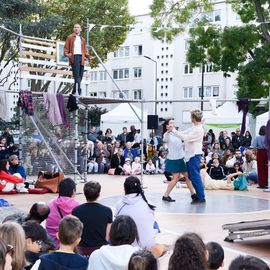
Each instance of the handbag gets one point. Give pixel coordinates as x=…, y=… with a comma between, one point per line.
x=49, y=180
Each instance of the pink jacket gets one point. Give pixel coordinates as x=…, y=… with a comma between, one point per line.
x=64, y=205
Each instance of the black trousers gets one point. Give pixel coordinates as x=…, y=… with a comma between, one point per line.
x=77, y=71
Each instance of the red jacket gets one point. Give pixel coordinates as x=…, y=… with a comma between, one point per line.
x=9, y=178
x=69, y=49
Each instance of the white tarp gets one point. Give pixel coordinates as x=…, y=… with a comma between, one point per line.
x=261, y=120
x=122, y=116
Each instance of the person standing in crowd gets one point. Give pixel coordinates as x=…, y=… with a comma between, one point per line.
x=131, y=135
x=175, y=163
x=75, y=49
x=6, y=134
x=260, y=150
x=247, y=139
x=237, y=139
x=122, y=137
x=193, y=138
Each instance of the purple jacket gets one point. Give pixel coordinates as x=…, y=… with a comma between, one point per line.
x=63, y=205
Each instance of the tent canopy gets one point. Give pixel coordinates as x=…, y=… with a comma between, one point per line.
x=261, y=120
x=122, y=116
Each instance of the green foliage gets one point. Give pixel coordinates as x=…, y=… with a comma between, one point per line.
x=94, y=115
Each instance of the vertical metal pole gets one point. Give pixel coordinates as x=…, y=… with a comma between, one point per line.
x=202, y=92
x=76, y=140
x=268, y=185
x=156, y=89
x=85, y=142
x=142, y=136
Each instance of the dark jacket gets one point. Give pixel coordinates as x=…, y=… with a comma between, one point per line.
x=217, y=172
x=100, y=154
x=63, y=261
x=115, y=162
x=17, y=169
x=237, y=141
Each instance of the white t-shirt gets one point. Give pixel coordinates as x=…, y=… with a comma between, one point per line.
x=78, y=45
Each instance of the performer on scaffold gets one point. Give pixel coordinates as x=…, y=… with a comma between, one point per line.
x=175, y=163
x=75, y=49
x=193, y=138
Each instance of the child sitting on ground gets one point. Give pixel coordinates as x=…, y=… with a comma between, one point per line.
x=150, y=167
x=69, y=234
x=215, y=255
x=136, y=166
x=127, y=167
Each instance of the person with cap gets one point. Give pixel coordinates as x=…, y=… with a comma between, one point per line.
x=15, y=167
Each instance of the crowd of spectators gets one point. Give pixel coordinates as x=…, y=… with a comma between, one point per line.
x=88, y=236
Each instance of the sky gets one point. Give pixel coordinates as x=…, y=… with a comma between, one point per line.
x=138, y=7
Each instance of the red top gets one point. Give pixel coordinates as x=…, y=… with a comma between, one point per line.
x=9, y=178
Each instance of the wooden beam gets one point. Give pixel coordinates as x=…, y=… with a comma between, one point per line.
x=36, y=54
x=45, y=70
x=44, y=43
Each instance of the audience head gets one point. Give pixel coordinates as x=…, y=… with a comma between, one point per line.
x=35, y=234
x=248, y=263
x=237, y=166
x=124, y=129
x=132, y=129
x=4, y=165
x=39, y=212
x=215, y=255
x=70, y=231
x=215, y=162
x=238, y=131
x=120, y=151
x=196, y=115
x=262, y=130
x=123, y=231
x=13, y=160
x=6, y=253
x=128, y=145
x=137, y=159
x=132, y=184
x=142, y=260
x=91, y=191
x=189, y=253
x=117, y=144
x=12, y=234
x=127, y=160
x=67, y=188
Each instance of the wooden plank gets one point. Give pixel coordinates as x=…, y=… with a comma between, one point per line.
x=46, y=70
x=44, y=43
x=36, y=54
x=36, y=47
x=38, y=62
x=49, y=78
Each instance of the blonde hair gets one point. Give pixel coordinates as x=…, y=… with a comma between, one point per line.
x=196, y=114
x=12, y=233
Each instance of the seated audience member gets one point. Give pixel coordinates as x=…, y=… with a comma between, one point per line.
x=118, y=161
x=8, y=182
x=156, y=162
x=14, y=166
x=6, y=252
x=61, y=207
x=247, y=139
x=228, y=144
x=12, y=234
x=127, y=167
x=131, y=135
x=237, y=139
x=116, y=147
x=96, y=219
x=162, y=160
x=150, y=167
x=102, y=158
x=136, y=166
x=236, y=158
x=216, y=149
x=38, y=213
x=130, y=152
x=109, y=138
x=3, y=148
x=35, y=234
x=216, y=170
x=116, y=255
x=235, y=172
x=250, y=167
x=215, y=255
x=9, y=137
x=213, y=157
x=135, y=205
x=248, y=263
x=69, y=234
x=13, y=150
x=189, y=253
x=142, y=260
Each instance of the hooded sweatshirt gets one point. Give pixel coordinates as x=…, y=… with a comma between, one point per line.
x=111, y=257
x=61, y=261
x=59, y=206
x=134, y=206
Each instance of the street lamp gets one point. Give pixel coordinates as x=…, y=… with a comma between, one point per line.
x=149, y=58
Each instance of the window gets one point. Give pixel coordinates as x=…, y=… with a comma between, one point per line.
x=102, y=94
x=93, y=94
x=103, y=75
x=208, y=68
x=209, y=91
x=213, y=16
x=188, y=69
x=137, y=72
x=93, y=76
x=187, y=92
x=121, y=73
x=137, y=94
x=121, y=52
x=138, y=50
x=118, y=94
x=237, y=17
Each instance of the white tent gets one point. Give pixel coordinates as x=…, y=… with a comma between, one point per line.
x=123, y=116
x=224, y=117
x=261, y=120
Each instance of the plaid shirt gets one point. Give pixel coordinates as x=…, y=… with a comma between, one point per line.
x=25, y=102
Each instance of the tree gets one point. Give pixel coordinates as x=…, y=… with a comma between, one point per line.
x=243, y=49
